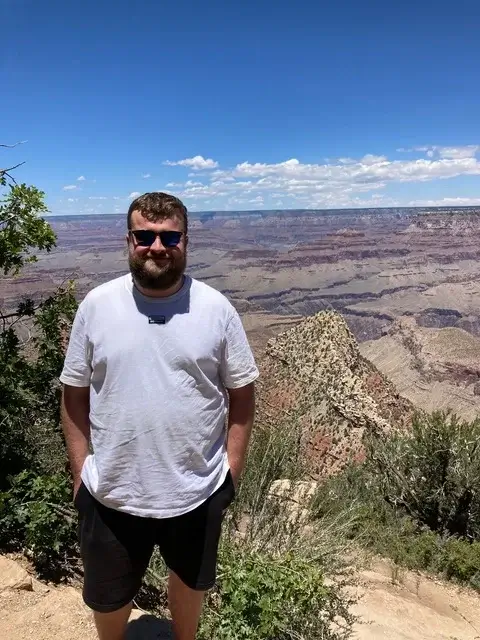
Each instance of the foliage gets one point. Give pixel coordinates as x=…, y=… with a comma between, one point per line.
x=408, y=494
x=273, y=454
x=21, y=228
x=262, y=596
x=29, y=387
x=35, y=491
x=432, y=472
x=32, y=341
x=33, y=516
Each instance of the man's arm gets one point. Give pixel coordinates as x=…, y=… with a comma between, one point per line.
x=75, y=414
x=240, y=421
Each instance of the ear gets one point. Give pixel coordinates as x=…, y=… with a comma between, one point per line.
x=186, y=240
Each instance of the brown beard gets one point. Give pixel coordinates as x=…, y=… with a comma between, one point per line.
x=161, y=277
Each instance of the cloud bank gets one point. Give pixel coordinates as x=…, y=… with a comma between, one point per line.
x=344, y=182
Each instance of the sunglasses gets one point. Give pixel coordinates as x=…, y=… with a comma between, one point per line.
x=146, y=237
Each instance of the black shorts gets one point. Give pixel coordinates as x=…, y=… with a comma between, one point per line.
x=116, y=547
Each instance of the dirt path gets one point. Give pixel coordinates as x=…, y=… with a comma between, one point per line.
x=416, y=609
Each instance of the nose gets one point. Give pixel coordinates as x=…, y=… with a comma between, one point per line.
x=157, y=245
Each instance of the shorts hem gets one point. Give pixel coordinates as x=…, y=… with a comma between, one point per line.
x=107, y=608
x=204, y=586
x=197, y=586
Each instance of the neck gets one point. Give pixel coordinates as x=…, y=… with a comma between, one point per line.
x=160, y=293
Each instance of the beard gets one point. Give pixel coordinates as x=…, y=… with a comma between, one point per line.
x=157, y=277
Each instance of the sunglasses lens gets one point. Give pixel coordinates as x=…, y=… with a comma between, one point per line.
x=170, y=238
x=144, y=237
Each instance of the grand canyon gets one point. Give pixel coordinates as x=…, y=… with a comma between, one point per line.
x=406, y=281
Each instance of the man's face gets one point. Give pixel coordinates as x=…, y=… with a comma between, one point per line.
x=156, y=267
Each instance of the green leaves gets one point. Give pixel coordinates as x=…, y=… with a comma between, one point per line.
x=30, y=434
x=35, y=491
x=33, y=513
x=264, y=596
x=22, y=231
x=433, y=472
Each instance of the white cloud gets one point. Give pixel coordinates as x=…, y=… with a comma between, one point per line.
x=72, y=199
x=147, y=175
x=70, y=187
x=455, y=153
x=334, y=183
x=370, y=159
x=411, y=149
x=446, y=202
x=81, y=178
x=97, y=198
x=197, y=163
x=468, y=151
x=367, y=173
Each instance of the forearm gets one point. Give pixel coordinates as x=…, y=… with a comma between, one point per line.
x=240, y=423
x=75, y=416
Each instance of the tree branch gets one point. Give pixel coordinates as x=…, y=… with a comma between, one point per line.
x=10, y=146
x=5, y=172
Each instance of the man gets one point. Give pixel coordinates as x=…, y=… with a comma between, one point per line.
x=159, y=380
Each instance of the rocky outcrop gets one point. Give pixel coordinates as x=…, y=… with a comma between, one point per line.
x=314, y=377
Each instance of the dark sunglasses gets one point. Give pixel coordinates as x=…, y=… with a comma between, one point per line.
x=146, y=237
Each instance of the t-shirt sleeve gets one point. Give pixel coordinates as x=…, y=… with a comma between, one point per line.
x=238, y=366
x=77, y=367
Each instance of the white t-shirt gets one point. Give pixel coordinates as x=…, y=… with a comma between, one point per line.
x=158, y=370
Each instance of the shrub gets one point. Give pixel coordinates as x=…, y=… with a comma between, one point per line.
x=461, y=561
x=415, y=499
x=35, y=516
x=29, y=388
x=265, y=596
x=432, y=473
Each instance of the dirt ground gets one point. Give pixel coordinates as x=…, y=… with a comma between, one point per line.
x=411, y=608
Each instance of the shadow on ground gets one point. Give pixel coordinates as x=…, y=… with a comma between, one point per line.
x=148, y=627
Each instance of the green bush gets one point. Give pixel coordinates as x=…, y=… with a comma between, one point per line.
x=432, y=472
x=415, y=499
x=35, y=516
x=461, y=561
x=262, y=596
x=30, y=433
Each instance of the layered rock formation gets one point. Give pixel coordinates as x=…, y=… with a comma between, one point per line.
x=314, y=376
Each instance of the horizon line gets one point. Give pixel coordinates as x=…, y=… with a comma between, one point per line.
x=263, y=211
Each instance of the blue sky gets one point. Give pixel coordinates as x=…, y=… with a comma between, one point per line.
x=252, y=105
